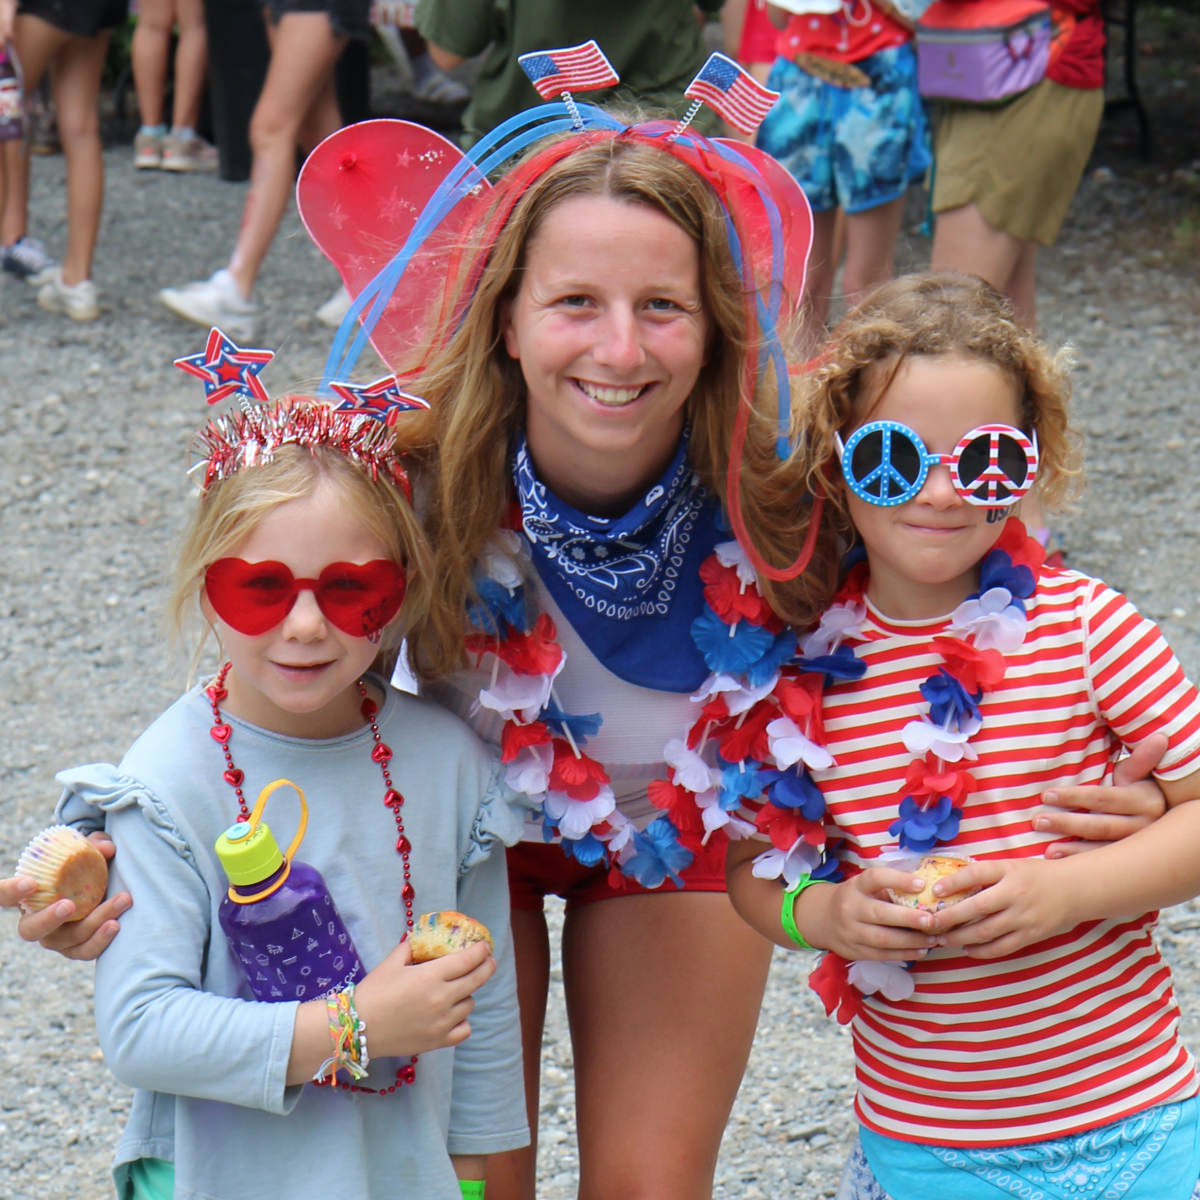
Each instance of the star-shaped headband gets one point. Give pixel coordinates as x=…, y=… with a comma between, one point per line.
x=360, y=427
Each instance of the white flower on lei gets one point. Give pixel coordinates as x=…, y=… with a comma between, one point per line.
x=500, y=556
x=714, y=817
x=801, y=859
x=991, y=620
x=574, y=818
x=529, y=771
x=950, y=745
x=837, y=623
x=691, y=771
x=518, y=696
x=620, y=840
x=730, y=554
x=890, y=979
x=738, y=697
x=789, y=746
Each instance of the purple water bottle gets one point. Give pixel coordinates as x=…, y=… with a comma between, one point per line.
x=279, y=916
x=10, y=96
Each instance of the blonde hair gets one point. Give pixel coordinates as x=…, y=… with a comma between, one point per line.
x=231, y=509
x=933, y=313
x=477, y=392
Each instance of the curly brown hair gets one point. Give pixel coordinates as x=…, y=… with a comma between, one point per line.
x=477, y=392
x=931, y=313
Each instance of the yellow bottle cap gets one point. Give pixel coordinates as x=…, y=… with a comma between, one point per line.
x=249, y=853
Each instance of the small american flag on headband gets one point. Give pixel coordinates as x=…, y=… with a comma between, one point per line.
x=580, y=68
x=735, y=95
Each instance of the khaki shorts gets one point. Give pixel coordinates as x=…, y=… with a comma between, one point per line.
x=1018, y=163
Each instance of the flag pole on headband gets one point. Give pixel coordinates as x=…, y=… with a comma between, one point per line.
x=731, y=92
x=556, y=73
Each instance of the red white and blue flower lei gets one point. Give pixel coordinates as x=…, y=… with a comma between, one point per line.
x=757, y=731
x=987, y=625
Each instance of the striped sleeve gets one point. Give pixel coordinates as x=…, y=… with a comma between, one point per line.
x=1137, y=682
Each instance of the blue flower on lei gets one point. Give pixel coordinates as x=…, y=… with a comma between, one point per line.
x=577, y=726
x=588, y=851
x=659, y=855
x=730, y=649
x=998, y=570
x=497, y=606
x=920, y=829
x=795, y=789
x=741, y=781
x=843, y=663
x=783, y=647
x=830, y=868
x=950, y=704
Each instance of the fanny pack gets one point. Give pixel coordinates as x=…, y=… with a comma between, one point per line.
x=982, y=51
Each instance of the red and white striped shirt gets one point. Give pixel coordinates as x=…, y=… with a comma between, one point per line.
x=1073, y=1032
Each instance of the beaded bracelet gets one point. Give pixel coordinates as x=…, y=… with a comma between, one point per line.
x=349, y=1034
x=472, y=1189
x=787, y=915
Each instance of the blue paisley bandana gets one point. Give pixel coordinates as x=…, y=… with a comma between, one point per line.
x=629, y=585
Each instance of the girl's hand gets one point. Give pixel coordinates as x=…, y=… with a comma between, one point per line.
x=84, y=940
x=1019, y=904
x=411, y=1008
x=1108, y=813
x=862, y=922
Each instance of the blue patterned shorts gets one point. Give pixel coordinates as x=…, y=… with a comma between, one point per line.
x=854, y=148
x=1102, y=1164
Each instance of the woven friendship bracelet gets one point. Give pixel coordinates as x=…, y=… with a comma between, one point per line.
x=348, y=1032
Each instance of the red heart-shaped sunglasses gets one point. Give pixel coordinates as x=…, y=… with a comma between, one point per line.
x=252, y=598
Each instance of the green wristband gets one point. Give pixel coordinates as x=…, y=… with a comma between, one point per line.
x=472, y=1189
x=787, y=915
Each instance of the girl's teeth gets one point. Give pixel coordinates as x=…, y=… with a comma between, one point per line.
x=612, y=396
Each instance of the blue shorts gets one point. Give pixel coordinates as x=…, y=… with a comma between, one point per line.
x=850, y=148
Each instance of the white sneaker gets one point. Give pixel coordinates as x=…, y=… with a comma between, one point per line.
x=75, y=300
x=335, y=308
x=214, y=301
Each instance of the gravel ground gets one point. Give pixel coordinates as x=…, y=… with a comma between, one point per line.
x=93, y=436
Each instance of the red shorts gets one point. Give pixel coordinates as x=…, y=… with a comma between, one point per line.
x=540, y=869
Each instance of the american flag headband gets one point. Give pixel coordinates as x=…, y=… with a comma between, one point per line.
x=359, y=424
x=767, y=216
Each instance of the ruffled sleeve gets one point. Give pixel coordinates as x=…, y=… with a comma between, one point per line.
x=92, y=791
x=499, y=820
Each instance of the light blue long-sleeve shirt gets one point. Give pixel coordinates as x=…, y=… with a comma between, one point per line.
x=174, y=1014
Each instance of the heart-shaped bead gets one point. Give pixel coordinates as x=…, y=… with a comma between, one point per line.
x=233, y=775
x=220, y=732
x=382, y=753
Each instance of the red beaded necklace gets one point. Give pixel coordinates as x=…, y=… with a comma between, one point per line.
x=381, y=754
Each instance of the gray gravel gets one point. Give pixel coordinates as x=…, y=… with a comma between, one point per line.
x=93, y=433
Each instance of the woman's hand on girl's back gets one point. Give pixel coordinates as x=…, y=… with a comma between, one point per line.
x=1088, y=817
x=412, y=1007
x=53, y=927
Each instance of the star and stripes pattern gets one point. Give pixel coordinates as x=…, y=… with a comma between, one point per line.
x=382, y=399
x=227, y=369
x=582, y=68
x=734, y=94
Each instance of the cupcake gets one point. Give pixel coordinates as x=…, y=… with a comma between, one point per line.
x=438, y=933
x=932, y=868
x=67, y=867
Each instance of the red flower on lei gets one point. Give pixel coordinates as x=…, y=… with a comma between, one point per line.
x=977, y=670
x=831, y=981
